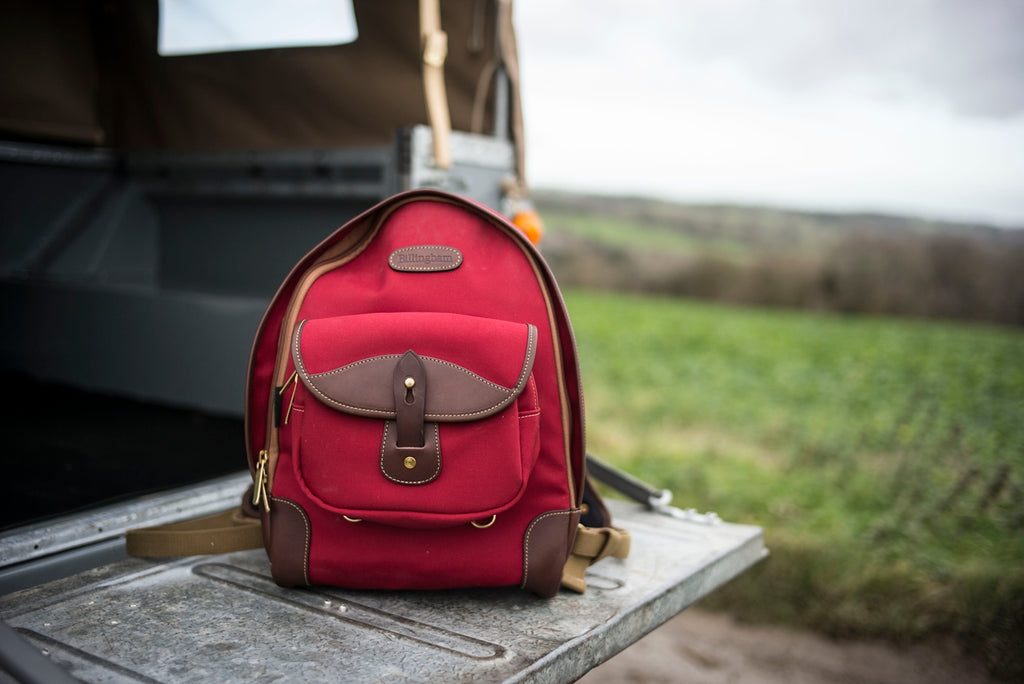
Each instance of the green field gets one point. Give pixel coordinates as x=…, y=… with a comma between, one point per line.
x=883, y=457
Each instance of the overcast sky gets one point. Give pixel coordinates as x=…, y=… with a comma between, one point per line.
x=909, y=106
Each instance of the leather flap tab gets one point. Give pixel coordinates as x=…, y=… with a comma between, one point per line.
x=410, y=387
x=470, y=367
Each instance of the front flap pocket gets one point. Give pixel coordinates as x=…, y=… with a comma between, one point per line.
x=419, y=419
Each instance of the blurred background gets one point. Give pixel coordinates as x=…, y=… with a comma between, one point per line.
x=910, y=108
x=790, y=236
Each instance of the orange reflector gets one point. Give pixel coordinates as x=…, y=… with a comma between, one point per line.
x=531, y=224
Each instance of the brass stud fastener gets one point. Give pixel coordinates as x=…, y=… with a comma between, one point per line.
x=410, y=382
x=409, y=462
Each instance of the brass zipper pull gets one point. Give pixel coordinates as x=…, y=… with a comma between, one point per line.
x=294, y=382
x=291, y=378
x=278, y=396
x=259, y=488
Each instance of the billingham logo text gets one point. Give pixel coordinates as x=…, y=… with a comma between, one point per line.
x=425, y=259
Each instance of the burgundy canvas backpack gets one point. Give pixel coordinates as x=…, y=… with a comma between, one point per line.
x=414, y=413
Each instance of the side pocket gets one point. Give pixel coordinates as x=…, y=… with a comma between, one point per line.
x=528, y=408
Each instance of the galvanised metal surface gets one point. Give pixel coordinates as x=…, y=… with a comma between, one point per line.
x=222, y=618
x=51, y=549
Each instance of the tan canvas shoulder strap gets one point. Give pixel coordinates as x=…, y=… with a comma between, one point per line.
x=225, y=532
x=434, y=43
x=510, y=60
x=235, y=530
x=591, y=545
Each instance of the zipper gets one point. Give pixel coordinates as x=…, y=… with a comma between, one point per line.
x=259, y=489
x=268, y=455
x=279, y=396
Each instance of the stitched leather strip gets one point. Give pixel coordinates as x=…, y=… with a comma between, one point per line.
x=414, y=465
x=457, y=394
x=290, y=537
x=545, y=545
x=409, y=385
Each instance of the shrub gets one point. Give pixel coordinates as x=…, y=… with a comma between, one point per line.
x=953, y=276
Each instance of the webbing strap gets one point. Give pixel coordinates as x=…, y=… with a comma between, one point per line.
x=435, y=51
x=231, y=530
x=591, y=545
x=510, y=60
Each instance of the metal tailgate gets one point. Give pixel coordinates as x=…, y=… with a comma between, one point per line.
x=222, y=617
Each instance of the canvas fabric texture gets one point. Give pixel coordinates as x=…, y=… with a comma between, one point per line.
x=463, y=467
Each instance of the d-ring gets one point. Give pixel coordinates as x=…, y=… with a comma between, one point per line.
x=352, y=520
x=483, y=525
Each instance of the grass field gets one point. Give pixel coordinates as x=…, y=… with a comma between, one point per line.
x=884, y=458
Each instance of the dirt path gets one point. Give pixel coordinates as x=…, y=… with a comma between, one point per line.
x=708, y=648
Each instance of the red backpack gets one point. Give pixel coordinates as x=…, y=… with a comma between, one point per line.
x=414, y=415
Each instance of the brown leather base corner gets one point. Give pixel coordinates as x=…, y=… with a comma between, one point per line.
x=546, y=547
x=288, y=543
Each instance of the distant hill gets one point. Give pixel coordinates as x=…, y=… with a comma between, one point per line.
x=865, y=263
x=758, y=227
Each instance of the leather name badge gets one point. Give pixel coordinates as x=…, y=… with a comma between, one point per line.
x=425, y=259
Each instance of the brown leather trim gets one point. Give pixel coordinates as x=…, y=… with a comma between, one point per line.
x=409, y=387
x=426, y=463
x=456, y=394
x=288, y=543
x=546, y=546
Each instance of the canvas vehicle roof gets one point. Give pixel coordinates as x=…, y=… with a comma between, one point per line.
x=87, y=72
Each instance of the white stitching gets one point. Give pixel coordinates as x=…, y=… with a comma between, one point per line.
x=437, y=450
x=511, y=394
x=526, y=542
x=535, y=410
x=305, y=375
x=445, y=267
x=347, y=367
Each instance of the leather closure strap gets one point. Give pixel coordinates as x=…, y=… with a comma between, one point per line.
x=414, y=465
x=410, y=453
x=410, y=388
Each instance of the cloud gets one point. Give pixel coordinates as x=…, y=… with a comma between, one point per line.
x=966, y=54
x=913, y=106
